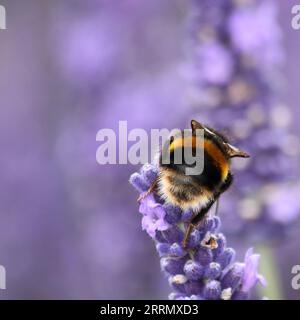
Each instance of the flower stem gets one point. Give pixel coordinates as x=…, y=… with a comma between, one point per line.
x=268, y=267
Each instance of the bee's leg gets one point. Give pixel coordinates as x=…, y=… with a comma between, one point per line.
x=195, y=222
x=149, y=191
x=187, y=234
x=197, y=219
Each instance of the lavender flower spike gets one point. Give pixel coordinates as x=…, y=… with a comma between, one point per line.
x=205, y=269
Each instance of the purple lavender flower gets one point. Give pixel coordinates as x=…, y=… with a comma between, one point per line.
x=251, y=276
x=235, y=80
x=205, y=269
x=154, y=216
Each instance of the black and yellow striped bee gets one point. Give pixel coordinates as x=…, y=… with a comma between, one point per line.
x=196, y=192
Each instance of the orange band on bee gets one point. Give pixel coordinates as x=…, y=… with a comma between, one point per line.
x=186, y=142
x=212, y=150
x=217, y=155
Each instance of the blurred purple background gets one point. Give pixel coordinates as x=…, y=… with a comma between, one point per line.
x=70, y=228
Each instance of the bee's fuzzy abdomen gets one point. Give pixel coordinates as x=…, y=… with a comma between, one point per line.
x=182, y=191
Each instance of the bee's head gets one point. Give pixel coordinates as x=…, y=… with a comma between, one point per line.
x=220, y=140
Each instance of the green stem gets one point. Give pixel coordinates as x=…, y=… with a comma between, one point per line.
x=268, y=268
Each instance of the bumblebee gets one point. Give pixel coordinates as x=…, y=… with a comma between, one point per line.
x=196, y=192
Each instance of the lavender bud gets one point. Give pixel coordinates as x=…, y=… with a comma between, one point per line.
x=193, y=270
x=226, y=257
x=204, y=256
x=226, y=294
x=138, y=182
x=194, y=238
x=194, y=288
x=207, y=225
x=213, y=271
x=163, y=249
x=211, y=224
x=212, y=290
x=172, y=265
x=159, y=237
x=149, y=173
x=187, y=216
x=221, y=244
x=173, y=214
x=176, y=250
x=217, y=223
x=177, y=282
x=233, y=277
x=173, y=234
